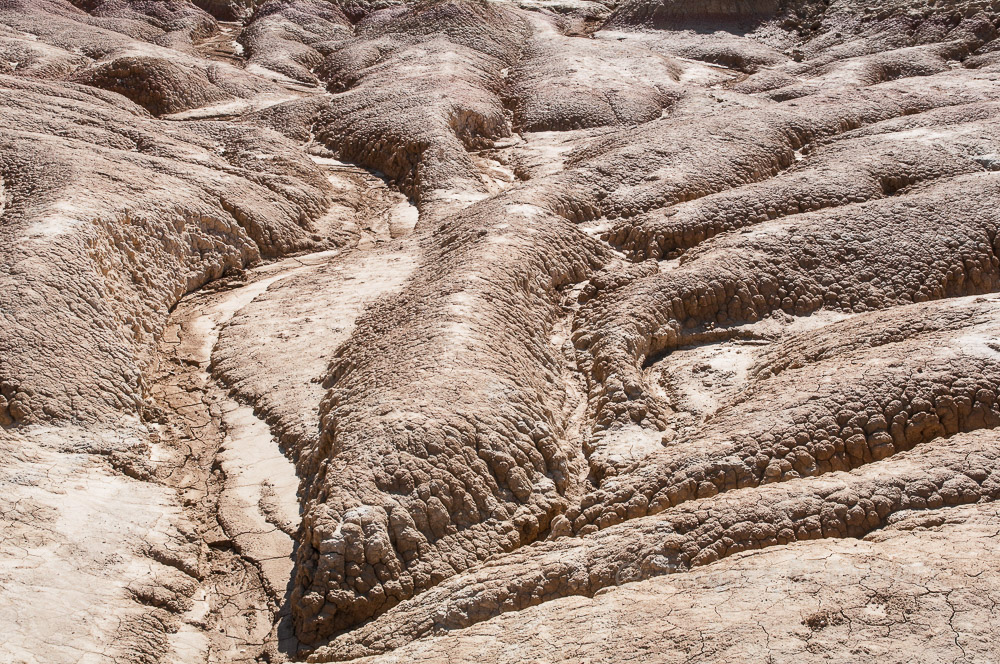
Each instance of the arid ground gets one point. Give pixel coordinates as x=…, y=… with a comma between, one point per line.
x=499, y=331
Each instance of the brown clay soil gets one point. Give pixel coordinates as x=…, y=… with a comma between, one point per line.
x=499, y=331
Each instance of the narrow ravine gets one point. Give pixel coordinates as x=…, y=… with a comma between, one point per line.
x=241, y=370
x=233, y=476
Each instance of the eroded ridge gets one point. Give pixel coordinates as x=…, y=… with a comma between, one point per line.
x=841, y=505
x=422, y=324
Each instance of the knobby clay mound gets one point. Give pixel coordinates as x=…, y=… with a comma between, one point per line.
x=499, y=331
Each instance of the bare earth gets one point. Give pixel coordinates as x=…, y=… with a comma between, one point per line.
x=499, y=331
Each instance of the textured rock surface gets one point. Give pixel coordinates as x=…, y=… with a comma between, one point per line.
x=468, y=330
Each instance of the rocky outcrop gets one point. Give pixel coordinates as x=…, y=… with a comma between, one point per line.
x=687, y=14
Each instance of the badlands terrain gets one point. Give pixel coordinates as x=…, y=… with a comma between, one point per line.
x=499, y=331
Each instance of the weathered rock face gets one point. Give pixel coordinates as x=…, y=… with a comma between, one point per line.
x=95, y=256
x=157, y=85
x=660, y=330
x=688, y=14
x=226, y=10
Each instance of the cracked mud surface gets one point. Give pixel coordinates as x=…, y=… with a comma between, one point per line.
x=499, y=331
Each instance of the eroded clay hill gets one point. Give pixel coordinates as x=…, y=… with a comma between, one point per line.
x=499, y=331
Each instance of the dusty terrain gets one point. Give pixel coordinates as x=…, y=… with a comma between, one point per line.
x=499, y=331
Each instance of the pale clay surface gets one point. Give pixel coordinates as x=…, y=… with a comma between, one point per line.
x=499, y=331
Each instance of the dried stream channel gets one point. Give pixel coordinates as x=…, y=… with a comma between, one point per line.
x=218, y=343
